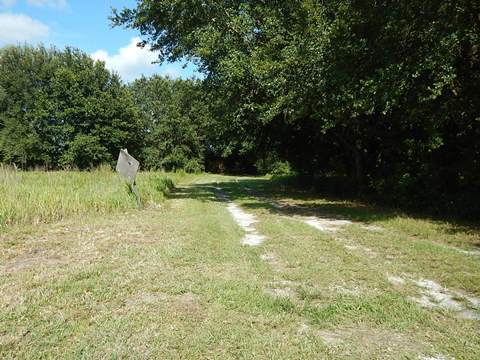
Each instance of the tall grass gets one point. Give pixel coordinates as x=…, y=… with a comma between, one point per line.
x=42, y=197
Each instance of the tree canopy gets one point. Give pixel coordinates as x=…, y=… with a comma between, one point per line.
x=62, y=109
x=385, y=93
x=175, y=117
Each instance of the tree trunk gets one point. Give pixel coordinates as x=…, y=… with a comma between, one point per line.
x=358, y=166
x=355, y=155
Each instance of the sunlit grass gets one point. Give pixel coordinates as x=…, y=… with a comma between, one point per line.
x=42, y=197
x=175, y=281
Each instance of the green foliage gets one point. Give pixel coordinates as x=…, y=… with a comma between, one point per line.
x=272, y=165
x=281, y=168
x=384, y=93
x=62, y=109
x=193, y=166
x=174, y=116
x=85, y=151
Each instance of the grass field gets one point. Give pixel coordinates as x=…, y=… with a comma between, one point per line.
x=329, y=279
x=43, y=197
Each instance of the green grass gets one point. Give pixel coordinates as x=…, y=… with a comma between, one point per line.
x=175, y=282
x=42, y=197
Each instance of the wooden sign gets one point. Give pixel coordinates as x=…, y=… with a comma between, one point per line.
x=127, y=165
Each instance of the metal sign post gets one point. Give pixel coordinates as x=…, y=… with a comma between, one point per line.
x=128, y=166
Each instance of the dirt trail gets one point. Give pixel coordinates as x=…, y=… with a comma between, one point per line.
x=174, y=281
x=245, y=220
x=432, y=294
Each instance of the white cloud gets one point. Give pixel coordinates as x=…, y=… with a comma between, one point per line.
x=49, y=3
x=7, y=3
x=130, y=62
x=20, y=28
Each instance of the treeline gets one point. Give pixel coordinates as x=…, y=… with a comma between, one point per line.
x=61, y=109
x=378, y=98
x=382, y=96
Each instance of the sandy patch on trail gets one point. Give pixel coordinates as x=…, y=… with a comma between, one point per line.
x=253, y=239
x=327, y=225
x=282, y=289
x=320, y=223
x=467, y=252
x=331, y=225
x=381, y=343
x=436, y=357
x=396, y=280
x=474, y=252
x=33, y=262
x=268, y=257
x=350, y=290
x=281, y=292
x=434, y=295
x=245, y=220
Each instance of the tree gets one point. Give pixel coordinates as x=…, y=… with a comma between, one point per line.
x=62, y=109
x=174, y=115
x=385, y=93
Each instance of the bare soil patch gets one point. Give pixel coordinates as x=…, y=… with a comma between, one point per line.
x=245, y=220
x=146, y=298
x=434, y=295
x=380, y=343
x=33, y=262
x=188, y=303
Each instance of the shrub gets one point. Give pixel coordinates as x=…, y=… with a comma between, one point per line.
x=193, y=167
x=281, y=168
x=271, y=164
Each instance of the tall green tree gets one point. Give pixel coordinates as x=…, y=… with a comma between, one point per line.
x=174, y=115
x=60, y=108
x=385, y=93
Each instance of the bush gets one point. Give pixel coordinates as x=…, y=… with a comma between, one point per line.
x=193, y=167
x=281, y=168
x=272, y=165
x=85, y=151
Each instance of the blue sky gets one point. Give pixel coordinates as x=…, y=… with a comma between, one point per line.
x=85, y=25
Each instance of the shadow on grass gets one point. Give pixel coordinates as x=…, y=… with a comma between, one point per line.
x=289, y=200
x=262, y=194
x=203, y=192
